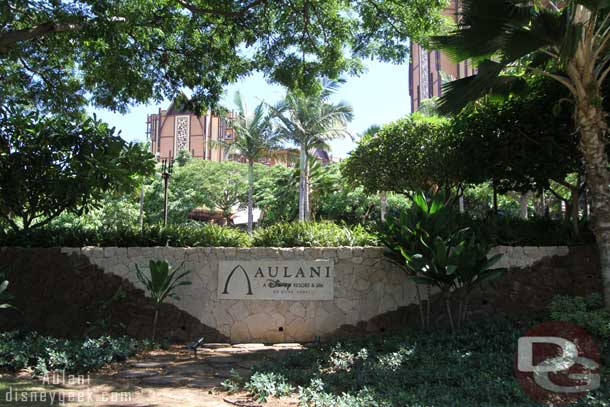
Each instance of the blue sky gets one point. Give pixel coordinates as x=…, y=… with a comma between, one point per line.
x=378, y=96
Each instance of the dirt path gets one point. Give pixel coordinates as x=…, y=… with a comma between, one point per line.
x=159, y=378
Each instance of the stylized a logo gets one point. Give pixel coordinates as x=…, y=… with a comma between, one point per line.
x=225, y=291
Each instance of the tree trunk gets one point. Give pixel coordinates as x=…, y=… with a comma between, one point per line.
x=540, y=204
x=302, y=183
x=592, y=125
x=523, y=203
x=142, y=207
x=307, y=201
x=495, y=198
x=461, y=203
x=383, y=204
x=575, y=209
x=250, y=192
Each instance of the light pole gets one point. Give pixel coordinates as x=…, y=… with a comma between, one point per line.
x=167, y=166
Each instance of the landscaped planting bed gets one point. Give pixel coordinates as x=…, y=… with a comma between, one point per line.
x=471, y=368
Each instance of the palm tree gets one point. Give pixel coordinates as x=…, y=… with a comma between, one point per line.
x=255, y=138
x=311, y=121
x=568, y=41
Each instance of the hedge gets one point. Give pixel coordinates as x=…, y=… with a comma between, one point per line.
x=497, y=231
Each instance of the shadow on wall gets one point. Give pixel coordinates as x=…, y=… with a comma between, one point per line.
x=66, y=296
x=520, y=293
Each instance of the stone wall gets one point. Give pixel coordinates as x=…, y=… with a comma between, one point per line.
x=366, y=285
x=524, y=292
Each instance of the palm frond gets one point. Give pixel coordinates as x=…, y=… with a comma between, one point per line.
x=481, y=28
x=459, y=93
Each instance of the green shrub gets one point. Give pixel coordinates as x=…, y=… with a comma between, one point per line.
x=310, y=234
x=496, y=231
x=234, y=383
x=188, y=235
x=587, y=312
x=43, y=354
x=264, y=385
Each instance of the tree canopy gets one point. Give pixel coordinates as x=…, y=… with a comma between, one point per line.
x=50, y=165
x=405, y=155
x=519, y=143
x=117, y=53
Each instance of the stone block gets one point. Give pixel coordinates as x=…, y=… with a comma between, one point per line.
x=357, y=260
x=344, y=253
x=239, y=332
x=110, y=251
x=372, y=252
x=134, y=252
x=286, y=253
x=93, y=252
x=329, y=253
x=298, y=309
x=239, y=311
x=345, y=305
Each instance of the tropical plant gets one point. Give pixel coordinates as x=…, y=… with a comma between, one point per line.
x=55, y=164
x=410, y=232
x=436, y=252
x=161, y=282
x=456, y=266
x=566, y=41
x=255, y=139
x=310, y=121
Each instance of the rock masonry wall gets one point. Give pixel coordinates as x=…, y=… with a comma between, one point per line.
x=365, y=285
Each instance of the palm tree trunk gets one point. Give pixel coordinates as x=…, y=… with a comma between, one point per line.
x=523, y=202
x=591, y=121
x=250, y=191
x=307, y=199
x=302, y=183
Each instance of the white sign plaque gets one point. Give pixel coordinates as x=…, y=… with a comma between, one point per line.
x=276, y=280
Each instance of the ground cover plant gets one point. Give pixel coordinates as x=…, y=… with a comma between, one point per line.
x=472, y=367
x=30, y=350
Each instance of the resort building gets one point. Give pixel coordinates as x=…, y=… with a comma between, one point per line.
x=170, y=131
x=429, y=70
